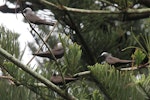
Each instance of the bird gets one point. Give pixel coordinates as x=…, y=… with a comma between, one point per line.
x=57, y=79
x=114, y=60
x=58, y=52
x=33, y=18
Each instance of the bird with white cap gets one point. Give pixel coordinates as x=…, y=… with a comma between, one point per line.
x=58, y=52
x=33, y=18
x=113, y=60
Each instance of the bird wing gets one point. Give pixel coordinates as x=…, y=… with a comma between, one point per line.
x=112, y=60
x=58, y=51
x=37, y=20
x=43, y=54
x=58, y=79
x=32, y=17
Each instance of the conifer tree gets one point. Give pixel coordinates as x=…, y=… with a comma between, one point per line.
x=85, y=28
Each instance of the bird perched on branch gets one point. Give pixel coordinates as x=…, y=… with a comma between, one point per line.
x=33, y=18
x=114, y=61
x=58, y=52
x=57, y=79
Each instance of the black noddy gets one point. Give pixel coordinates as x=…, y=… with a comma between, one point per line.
x=33, y=18
x=57, y=79
x=58, y=52
x=115, y=61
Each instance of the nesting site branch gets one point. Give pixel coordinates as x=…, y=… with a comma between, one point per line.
x=36, y=75
x=43, y=42
x=48, y=47
x=77, y=10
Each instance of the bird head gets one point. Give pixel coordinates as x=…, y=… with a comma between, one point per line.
x=59, y=45
x=27, y=10
x=105, y=54
x=54, y=73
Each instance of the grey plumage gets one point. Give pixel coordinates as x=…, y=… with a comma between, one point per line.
x=57, y=79
x=113, y=60
x=58, y=52
x=33, y=18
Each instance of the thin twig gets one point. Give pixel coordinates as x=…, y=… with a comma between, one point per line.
x=48, y=47
x=82, y=73
x=36, y=75
x=7, y=77
x=134, y=68
x=43, y=42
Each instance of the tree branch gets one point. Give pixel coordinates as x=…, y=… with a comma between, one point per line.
x=135, y=68
x=74, y=27
x=48, y=47
x=103, y=90
x=36, y=75
x=127, y=11
x=43, y=42
x=84, y=44
x=82, y=73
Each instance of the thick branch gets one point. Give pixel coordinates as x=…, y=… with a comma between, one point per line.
x=127, y=11
x=36, y=75
x=84, y=44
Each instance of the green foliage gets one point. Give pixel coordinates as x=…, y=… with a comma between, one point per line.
x=9, y=91
x=27, y=82
x=118, y=85
x=142, y=84
x=99, y=32
x=85, y=89
x=146, y=42
x=8, y=41
x=72, y=59
x=138, y=56
x=96, y=95
x=143, y=41
x=17, y=73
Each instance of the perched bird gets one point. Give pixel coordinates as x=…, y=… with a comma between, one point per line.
x=57, y=79
x=115, y=61
x=58, y=52
x=33, y=18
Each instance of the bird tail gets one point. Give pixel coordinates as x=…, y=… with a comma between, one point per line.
x=70, y=79
x=127, y=61
x=43, y=54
